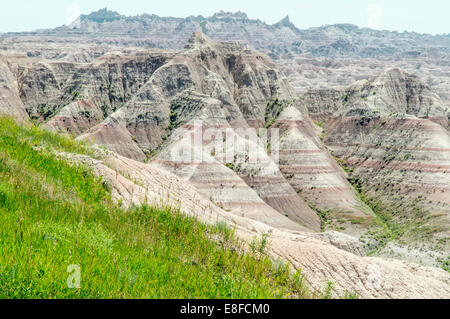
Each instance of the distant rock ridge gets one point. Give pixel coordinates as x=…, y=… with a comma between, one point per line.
x=277, y=39
x=102, y=15
x=394, y=92
x=286, y=22
x=343, y=53
x=226, y=15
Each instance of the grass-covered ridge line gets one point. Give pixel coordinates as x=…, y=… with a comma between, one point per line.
x=54, y=214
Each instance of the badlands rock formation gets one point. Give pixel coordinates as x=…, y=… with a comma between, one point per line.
x=310, y=169
x=319, y=57
x=390, y=131
x=10, y=102
x=147, y=106
x=282, y=38
x=74, y=96
x=392, y=93
x=224, y=87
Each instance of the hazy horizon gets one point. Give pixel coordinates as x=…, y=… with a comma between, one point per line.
x=379, y=15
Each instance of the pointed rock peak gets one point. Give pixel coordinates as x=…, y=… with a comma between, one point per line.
x=286, y=22
x=386, y=74
x=197, y=38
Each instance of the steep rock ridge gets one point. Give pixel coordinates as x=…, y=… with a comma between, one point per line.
x=10, y=103
x=320, y=262
x=228, y=190
x=252, y=78
x=312, y=172
x=306, y=73
x=226, y=87
x=281, y=38
x=404, y=163
x=386, y=131
x=234, y=180
x=392, y=93
x=320, y=57
x=73, y=97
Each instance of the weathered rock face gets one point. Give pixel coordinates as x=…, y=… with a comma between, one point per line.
x=227, y=88
x=10, y=102
x=390, y=131
x=404, y=163
x=252, y=188
x=321, y=57
x=392, y=93
x=311, y=170
x=281, y=38
x=73, y=97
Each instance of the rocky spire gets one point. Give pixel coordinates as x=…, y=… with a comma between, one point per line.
x=197, y=38
x=286, y=22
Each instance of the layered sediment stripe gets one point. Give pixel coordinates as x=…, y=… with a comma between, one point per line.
x=400, y=161
x=223, y=187
x=10, y=102
x=310, y=170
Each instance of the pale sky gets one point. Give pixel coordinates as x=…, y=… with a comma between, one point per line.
x=430, y=16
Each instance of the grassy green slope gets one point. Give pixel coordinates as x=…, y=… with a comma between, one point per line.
x=54, y=214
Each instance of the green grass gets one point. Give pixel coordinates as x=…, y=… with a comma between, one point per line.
x=54, y=214
x=325, y=216
x=274, y=110
x=391, y=223
x=320, y=123
x=446, y=265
